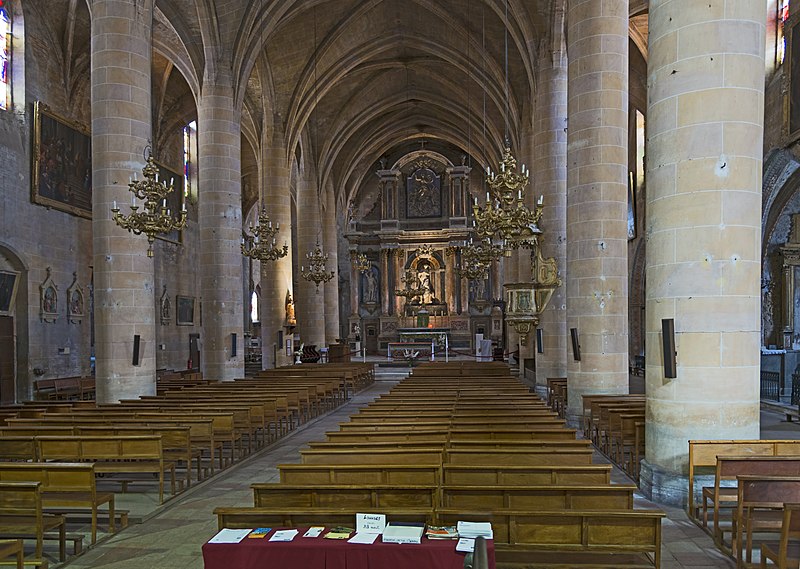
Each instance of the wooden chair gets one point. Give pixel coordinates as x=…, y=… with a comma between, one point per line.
x=21, y=516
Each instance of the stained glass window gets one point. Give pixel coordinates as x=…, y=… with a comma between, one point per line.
x=5, y=53
x=783, y=15
x=254, y=307
x=189, y=160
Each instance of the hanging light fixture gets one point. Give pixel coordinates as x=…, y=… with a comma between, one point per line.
x=504, y=218
x=316, y=273
x=360, y=262
x=260, y=243
x=154, y=218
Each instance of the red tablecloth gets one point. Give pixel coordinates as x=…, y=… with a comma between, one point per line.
x=320, y=553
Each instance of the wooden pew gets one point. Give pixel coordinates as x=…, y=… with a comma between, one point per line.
x=703, y=456
x=478, y=475
x=785, y=554
x=21, y=516
x=515, y=457
x=404, y=474
x=271, y=495
x=546, y=497
x=624, y=538
x=112, y=455
x=13, y=548
x=728, y=468
x=391, y=456
x=63, y=485
x=759, y=510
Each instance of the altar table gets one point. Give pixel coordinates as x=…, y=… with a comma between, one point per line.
x=320, y=553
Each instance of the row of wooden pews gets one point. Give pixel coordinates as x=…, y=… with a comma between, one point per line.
x=465, y=442
x=745, y=493
x=59, y=451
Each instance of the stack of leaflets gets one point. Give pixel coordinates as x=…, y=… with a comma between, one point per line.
x=259, y=533
x=441, y=532
x=475, y=529
x=339, y=533
x=397, y=532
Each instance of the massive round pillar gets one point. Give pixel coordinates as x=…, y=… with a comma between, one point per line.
x=220, y=223
x=550, y=166
x=597, y=174
x=310, y=298
x=124, y=300
x=704, y=162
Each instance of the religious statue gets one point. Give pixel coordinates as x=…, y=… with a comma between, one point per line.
x=50, y=302
x=370, y=287
x=76, y=303
x=424, y=284
x=289, y=305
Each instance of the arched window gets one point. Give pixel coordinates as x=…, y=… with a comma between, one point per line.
x=5, y=54
x=783, y=15
x=254, y=307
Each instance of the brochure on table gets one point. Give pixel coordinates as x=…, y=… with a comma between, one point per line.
x=226, y=535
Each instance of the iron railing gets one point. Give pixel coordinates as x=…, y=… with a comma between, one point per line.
x=770, y=385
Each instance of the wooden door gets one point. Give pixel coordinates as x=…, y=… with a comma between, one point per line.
x=7, y=366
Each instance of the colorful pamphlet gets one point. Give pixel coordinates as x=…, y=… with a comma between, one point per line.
x=339, y=533
x=441, y=532
x=259, y=533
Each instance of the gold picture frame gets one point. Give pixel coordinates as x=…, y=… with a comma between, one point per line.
x=62, y=163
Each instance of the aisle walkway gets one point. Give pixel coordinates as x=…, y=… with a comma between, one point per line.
x=172, y=537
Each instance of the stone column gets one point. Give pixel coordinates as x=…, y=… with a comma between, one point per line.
x=450, y=283
x=220, y=222
x=399, y=263
x=550, y=165
x=330, y=239
x=355, y=285
x=309, y=297
x=509, y=269
x=704, y=170
x=388, y=185
x=384, y=258
x=597, y=174
x=276, y=276
x=124, y=298
x=459, y=195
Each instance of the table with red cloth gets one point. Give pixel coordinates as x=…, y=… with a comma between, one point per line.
x=321, y=553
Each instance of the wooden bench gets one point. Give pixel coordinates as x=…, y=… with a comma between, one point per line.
x=759, y=510
x=390, y=456
x=63, y=485
x=21, y=516
x=13, y=548
x=404, y=474
x=785, y=554
x=703, y=457
x=612, y=538
x=111, y=455
x=728, y=468
x=515, y=457
x=546, y=497
x=477, y=475
x=273, y=495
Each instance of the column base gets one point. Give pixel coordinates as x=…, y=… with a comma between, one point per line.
x=665, y=487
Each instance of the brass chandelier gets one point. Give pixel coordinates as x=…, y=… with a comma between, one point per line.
x=155, y=217
x=317, y=272
x=504, y=218
x=360, y=262
x=260, y=244
x=412, y=289
x=475, y=259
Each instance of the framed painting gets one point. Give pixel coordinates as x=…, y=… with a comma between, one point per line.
x=62, y=163
x=8, y=289
x=184, y=311
x=174, y=199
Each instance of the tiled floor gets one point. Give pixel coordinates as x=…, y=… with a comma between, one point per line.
x=171, y=537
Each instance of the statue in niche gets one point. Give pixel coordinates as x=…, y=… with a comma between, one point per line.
x=291, y=320
x=50, y=303
x=49, y=298
x=75, y=300
x=424, y=283
x=166, y=308
x=370, y=287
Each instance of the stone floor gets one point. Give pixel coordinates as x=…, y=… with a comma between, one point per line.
x=171, y=536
